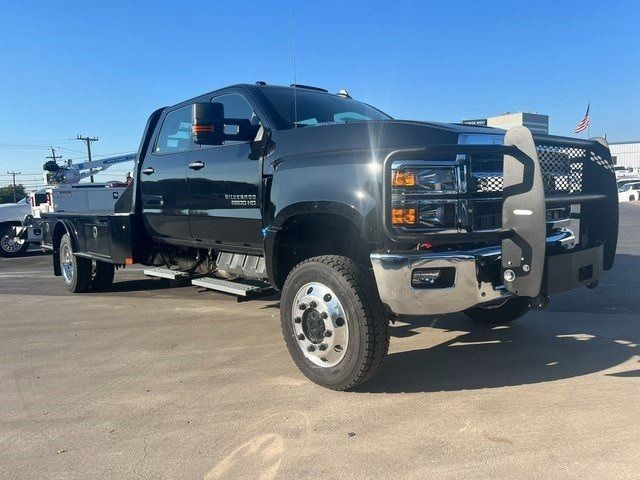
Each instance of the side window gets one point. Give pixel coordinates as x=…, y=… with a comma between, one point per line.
x=175, y=134
x=236, y=106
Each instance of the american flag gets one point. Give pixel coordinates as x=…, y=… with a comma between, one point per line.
x=584, y=123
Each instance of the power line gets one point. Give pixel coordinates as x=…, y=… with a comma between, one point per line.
x=23, y=175
x=70, y=149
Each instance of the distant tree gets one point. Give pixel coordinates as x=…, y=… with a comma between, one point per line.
x=6, y=193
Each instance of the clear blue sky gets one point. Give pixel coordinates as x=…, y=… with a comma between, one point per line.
x=100, y=68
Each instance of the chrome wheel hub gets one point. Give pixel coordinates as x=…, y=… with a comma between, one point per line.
x=9, y=244
x=66, y=262
x=320, y=324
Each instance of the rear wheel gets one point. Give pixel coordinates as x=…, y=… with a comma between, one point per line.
x=102, y=275
x=632, y=198
x=76, y=271
x=333, y=322
x=8, y=246
x=501, y=313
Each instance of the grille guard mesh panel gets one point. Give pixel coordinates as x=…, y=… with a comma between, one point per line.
x=561, y=167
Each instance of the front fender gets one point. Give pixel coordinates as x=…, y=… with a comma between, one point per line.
x=288, y=215
x=345, y=183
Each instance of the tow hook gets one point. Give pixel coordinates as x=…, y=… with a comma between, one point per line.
x=539, y=302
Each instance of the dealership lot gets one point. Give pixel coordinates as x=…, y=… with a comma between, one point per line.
x=157, y=382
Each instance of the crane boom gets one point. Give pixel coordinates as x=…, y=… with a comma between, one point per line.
x=73, y=173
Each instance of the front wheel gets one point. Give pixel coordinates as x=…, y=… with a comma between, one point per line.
x=333, y=322
x=501, y=313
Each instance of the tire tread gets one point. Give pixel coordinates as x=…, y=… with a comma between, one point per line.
x=371, y=309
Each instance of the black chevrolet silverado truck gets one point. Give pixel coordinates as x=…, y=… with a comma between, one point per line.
x=355, y=217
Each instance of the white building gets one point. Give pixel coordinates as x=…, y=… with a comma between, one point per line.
x=626, y=154
x=533, y=121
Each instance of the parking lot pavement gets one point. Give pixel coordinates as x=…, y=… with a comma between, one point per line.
x=154, y=382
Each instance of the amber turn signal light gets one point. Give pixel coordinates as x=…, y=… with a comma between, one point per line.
x=403, y=178
x=404, y=216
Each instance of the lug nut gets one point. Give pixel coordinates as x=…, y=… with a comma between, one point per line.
x=311, y=348
x=298, y=320
x=324, y=315
x=313, y=304
x=301, y=336
x=327, y=333
x=339, y=321
x=323, y=346
x=302, y=306
x=509, y=275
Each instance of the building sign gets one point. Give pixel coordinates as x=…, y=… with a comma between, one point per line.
x=479, y=122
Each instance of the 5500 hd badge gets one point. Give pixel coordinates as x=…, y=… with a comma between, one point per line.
x=241, y=200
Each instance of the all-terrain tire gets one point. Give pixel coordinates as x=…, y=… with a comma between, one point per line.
x=76, y=271
x=365, y=318
x=502, y=314
x=102, y=276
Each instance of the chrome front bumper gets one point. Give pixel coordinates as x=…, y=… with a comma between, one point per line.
x=393, y=272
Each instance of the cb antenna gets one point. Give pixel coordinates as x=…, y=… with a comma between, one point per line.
x=295, y=82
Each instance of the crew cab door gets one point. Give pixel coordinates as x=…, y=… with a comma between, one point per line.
x=163, y=178
x=223, y=184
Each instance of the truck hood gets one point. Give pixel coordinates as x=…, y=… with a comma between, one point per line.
x=14, y=212
x=377, y=136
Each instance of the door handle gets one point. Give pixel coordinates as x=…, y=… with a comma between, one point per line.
x=196, y=165
x=148, y=171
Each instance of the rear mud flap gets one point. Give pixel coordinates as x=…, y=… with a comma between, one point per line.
x=523, y=216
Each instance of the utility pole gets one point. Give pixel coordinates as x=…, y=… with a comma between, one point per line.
x=13, y=174
x=53, y=156
x=88, y=141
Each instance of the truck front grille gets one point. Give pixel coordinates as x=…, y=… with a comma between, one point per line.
x=487, y=214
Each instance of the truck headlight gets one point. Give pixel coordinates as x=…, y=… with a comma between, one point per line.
x=419, y=180
x=424, y=195
x=424, y=214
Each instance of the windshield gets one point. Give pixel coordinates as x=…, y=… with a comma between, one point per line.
x=626, y=187
x=317, y=108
